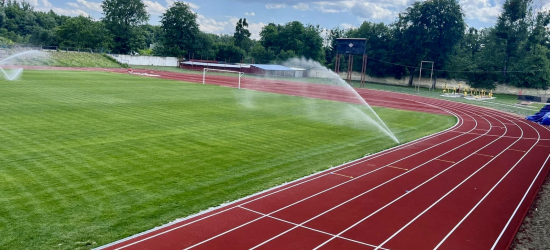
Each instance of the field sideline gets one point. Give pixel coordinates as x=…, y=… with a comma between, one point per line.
x=92, y=157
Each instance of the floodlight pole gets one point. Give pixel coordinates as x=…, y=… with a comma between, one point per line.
x=420, y=75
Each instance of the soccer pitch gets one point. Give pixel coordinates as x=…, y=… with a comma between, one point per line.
x=87, y=158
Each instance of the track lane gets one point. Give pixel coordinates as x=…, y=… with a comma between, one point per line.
x=405, y=146
x=457, y=130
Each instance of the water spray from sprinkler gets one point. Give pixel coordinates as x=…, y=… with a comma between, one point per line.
x=326, y=73
x=10, y=76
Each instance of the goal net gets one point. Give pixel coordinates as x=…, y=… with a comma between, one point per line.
x=221, y=71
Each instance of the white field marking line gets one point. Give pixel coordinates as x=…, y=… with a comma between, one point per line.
x=309, y=228
x=370, y=190
x=450, y=191
x=459, y=123
x=343, y=183
x=491, y=190
x=522, y=199
x=380, y=209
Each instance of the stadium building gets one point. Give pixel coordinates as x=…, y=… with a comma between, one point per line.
x=265, y=70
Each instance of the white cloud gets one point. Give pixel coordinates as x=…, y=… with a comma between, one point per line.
x=372, y=11
x=191, y=5
x=89, y=5
x=275, y=6
x=255, y=29
x=346, y=26
x=210, y=25
x=334, y=7
x=329, y=10
x=46, y=4
x=69, y=12
x=481, y=10
x=74, y=5
x=250, y=14
x=301, y=6
x=154, y=8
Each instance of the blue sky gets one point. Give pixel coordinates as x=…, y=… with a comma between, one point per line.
x=220, y=16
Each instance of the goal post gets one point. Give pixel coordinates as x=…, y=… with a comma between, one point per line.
x=221, y=70
x=420, y=75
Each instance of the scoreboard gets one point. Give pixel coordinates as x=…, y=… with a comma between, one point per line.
x=351, y=46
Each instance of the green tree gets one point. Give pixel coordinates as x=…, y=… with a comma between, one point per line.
x=242, y=35
x=261, y=55
x=180, y=28
x=84, y=32
x=428, y=31
x=305, y=41
x=511, y=28
x=205, y=47
x=123, y=18
x=153, y=34
x=229, y=53
x=533, y=70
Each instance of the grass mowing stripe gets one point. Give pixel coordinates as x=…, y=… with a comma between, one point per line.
x=91, y=157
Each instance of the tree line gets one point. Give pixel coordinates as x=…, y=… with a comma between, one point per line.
x=515, y=51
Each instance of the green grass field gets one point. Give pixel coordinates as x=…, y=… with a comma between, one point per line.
x=88, y=158
x=67, y=59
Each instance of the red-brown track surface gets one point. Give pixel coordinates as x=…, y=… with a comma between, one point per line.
x=468, y=187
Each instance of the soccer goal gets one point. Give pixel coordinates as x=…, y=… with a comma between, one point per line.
x=221, y=70
x=420, y=75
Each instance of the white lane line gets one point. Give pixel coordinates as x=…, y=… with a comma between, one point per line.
x=460, y=123
x=358, y=177
x=522, y=199
x=447, y=194
x=370, y=190
x=347, y=176
x=418, y=186
x=511, y=137
x=486, y=195
x=309, y=228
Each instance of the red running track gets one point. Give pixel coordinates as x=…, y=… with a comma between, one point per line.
x=468, y=187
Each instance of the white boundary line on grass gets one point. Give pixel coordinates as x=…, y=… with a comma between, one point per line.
x=294, y=183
